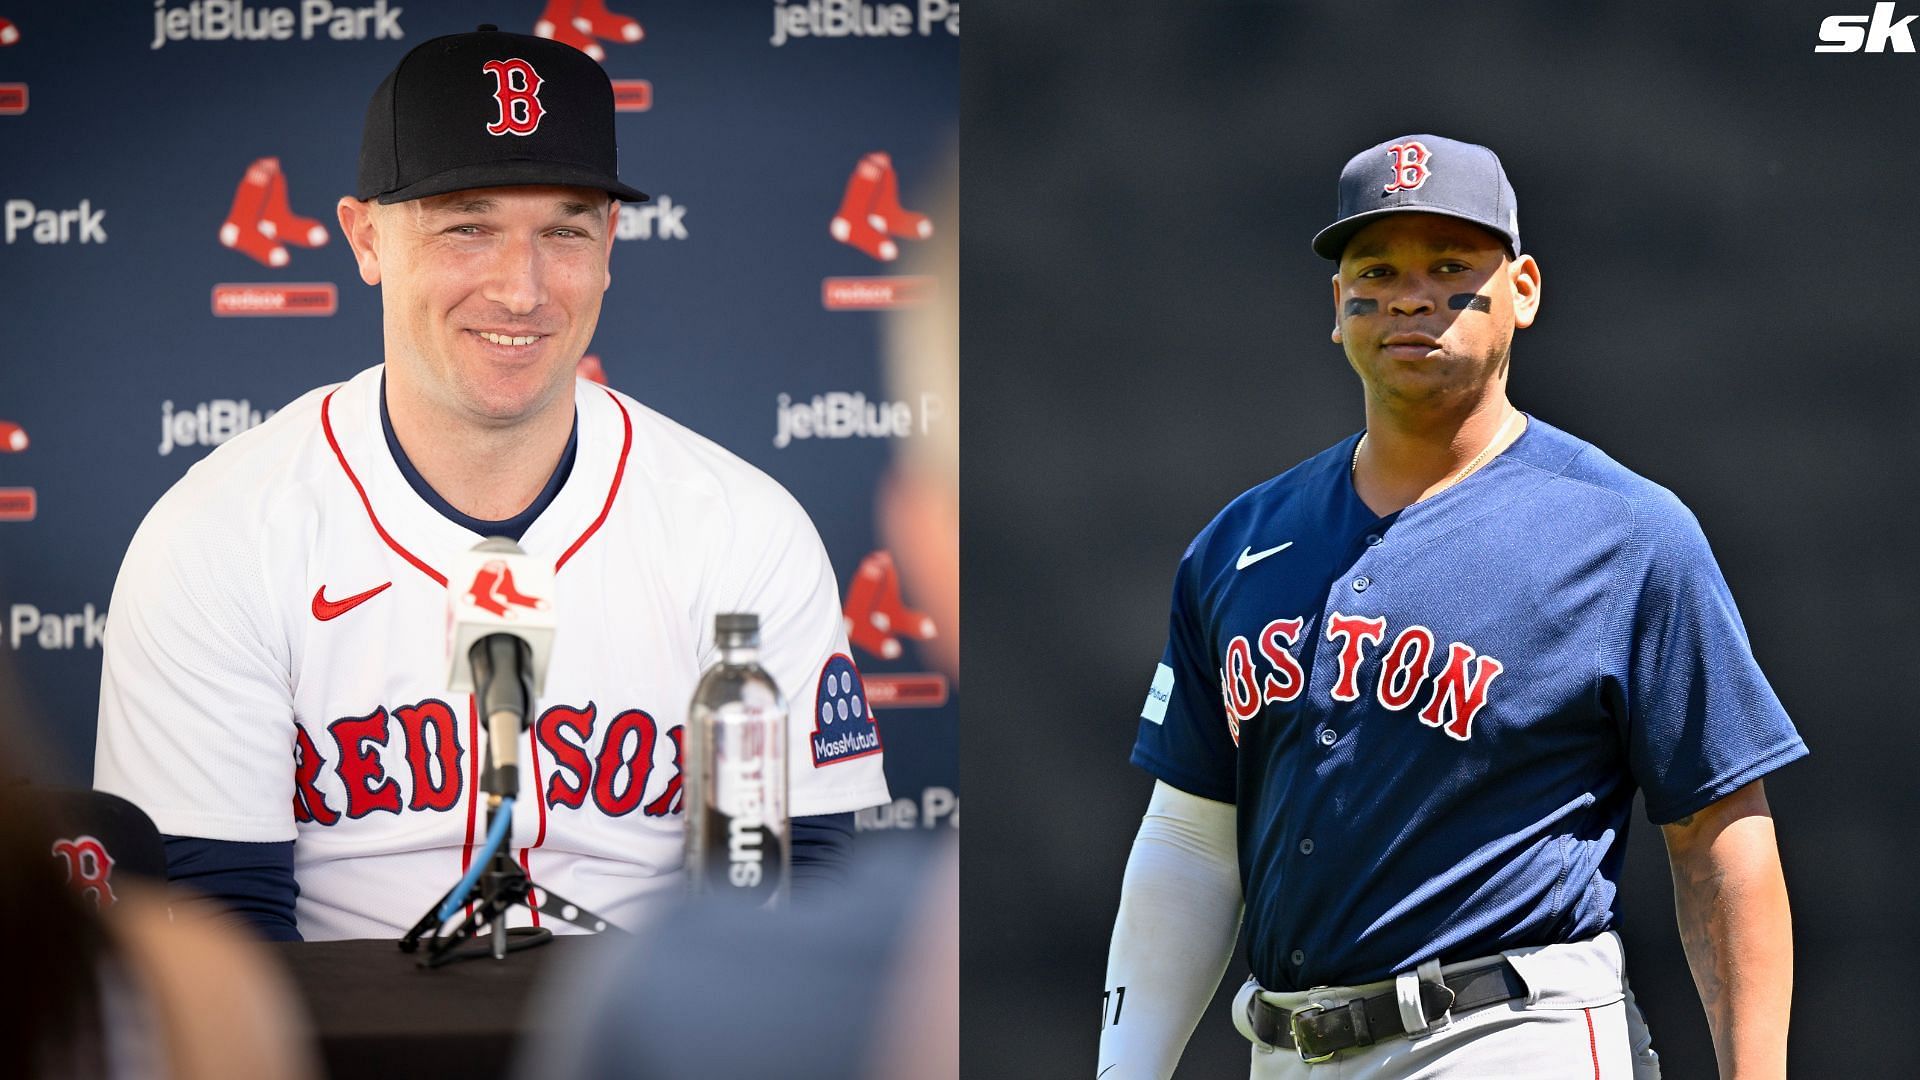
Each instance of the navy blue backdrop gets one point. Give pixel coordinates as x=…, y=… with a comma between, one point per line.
x=134, y=337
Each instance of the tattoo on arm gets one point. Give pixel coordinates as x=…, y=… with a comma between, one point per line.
x=1700, y=903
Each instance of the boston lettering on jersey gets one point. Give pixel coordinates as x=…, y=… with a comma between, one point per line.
x=614, y=777
x=1459, y=692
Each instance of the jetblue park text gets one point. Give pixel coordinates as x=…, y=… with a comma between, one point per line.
x=232, y=20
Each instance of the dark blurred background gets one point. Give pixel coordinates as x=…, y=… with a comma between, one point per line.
x=1725, y=224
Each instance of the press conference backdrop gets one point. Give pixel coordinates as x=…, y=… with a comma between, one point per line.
x=173, y=273
x=1724, y=220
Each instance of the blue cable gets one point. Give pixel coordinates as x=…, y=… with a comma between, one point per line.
x=496, y=832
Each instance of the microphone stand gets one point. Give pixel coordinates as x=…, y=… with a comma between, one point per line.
x=501, y=884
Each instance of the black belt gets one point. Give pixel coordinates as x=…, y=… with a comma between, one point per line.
x=1318, y=1033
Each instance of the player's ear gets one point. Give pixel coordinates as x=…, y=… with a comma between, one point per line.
x=613, y=227
x=356, y=224
x=1336, y=309
x=1524, y=277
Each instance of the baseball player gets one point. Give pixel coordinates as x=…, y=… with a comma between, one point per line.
x=1409, y=689
x=274, y=692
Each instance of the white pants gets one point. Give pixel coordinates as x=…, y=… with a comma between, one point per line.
x=1578, y=1020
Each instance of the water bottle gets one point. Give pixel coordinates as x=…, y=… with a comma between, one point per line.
x=736, y=773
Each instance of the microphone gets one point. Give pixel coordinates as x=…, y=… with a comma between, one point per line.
x=499, y=640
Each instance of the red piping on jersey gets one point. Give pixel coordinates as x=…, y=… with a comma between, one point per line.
x=473, y=789
x=1593, y=1045
x=619, y=470
x=326, y=425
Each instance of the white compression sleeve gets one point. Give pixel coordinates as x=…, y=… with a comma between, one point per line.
x=1179, y=916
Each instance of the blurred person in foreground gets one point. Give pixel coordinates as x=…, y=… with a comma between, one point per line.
x=125, y=985
x=859, y=983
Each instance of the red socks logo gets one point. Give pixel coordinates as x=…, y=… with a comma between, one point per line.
x=13, y=437
x=870, y=211
x=875, y=612
x=493, y=590
x=260, y=217
x=9, y=33
x=578, y=22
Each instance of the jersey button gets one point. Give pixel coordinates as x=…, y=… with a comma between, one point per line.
x=1360, y=583
x=1306, y=846
x=1373, y=539
x=1328, y=736
x=1298, y=958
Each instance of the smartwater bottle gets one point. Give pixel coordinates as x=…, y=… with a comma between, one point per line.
x=736, y=773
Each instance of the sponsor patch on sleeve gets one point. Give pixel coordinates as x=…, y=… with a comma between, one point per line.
x=843, y=724
x=1156, y=707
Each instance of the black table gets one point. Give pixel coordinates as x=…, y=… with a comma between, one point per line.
x=377, y=1013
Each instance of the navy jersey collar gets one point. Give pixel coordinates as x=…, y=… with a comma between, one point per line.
x=512, y=528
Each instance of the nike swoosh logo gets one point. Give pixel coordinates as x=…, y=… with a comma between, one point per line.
x=1249, y=556
x=324, y=609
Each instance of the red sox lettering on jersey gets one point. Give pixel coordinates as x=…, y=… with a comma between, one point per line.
x=1459, y=692
x=617, y=775
x=1411, y=161
x=517, y=92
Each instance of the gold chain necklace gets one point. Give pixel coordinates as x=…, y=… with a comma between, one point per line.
x=1354, y=468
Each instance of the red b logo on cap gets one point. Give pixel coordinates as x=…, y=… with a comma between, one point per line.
x=1409, y=166
x=517, y=90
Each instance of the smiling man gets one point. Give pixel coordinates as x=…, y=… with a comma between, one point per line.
x=275, y=685
x=1409, y=690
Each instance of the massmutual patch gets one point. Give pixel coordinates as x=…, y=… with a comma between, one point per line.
x=843, y=725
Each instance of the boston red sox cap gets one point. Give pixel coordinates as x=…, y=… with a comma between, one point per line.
x=490, y=109
x=1428, y=173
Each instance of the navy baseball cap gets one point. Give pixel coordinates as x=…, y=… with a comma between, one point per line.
x=1428, y=173
x=490, y=109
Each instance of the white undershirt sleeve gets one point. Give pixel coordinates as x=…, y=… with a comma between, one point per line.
x=1180, y=908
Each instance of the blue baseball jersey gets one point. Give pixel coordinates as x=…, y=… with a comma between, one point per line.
x=1432, y=724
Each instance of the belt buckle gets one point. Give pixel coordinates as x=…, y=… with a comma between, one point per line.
x=1299, y=1044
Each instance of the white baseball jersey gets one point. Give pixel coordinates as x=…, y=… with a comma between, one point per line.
x=275, y=661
